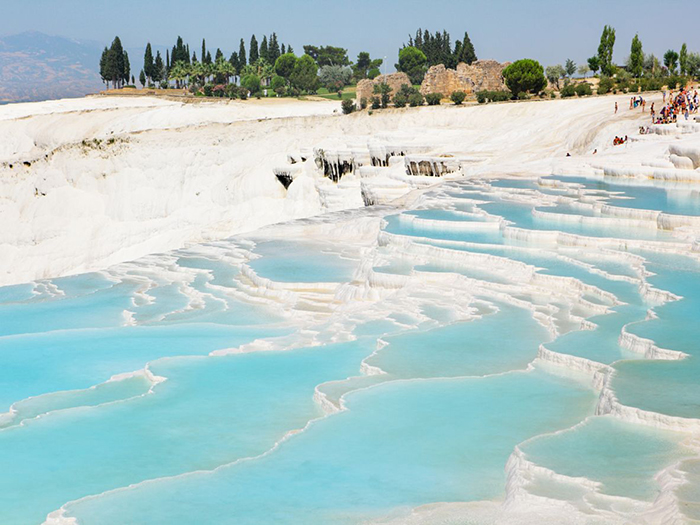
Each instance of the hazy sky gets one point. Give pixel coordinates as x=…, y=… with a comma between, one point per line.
x=547, y=30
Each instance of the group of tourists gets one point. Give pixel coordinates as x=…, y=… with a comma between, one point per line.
x=636, y=102
x=682, y=103
x=619, y=140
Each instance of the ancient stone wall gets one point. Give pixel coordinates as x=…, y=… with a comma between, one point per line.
x=365, y=88
x=479, y=76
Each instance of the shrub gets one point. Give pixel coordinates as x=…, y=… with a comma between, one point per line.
x=605, y=85
x=407, y=90
x=400, y=100
x=458, y=97
x=277, y=82
x=523, y=96
x=492, y=96
x=433, y=99
x=552, y=95
x=363, y=102
x=415, y=100
x=384, y=91
x=208, y=89
x=242, y=93
x=376, y=103
x=251, y=83
x=567, y=91
x=525, y=76
x=348, y=106
x=583, y=90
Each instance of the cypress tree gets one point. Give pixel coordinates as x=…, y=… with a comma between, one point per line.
x=204, y=51
x=273, y=49
x=234, y=61
x=127, y=68
x=187, y=53
x=133, y=80
x=142, y=78
x=115, y=62
x=241, y=54
x=254, y=54
x=219, y=55
x=158, y=68
x=636, y=63
x=148, y=61
x=207, y=60
x=290, y=49
x=467, y=55
x=167, y=60
x=263, y=49
x=194, y=57
x=283, y=51
x=103, y=65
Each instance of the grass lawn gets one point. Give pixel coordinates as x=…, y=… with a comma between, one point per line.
x=348, y=93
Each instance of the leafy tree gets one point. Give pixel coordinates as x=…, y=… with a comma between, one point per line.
x=570, y=67
x=692, y=64
x=254, y=53
x=652, y=64
x=303, y=76
x=636, y=62
x=334, y=78
x=373, y=73
x=263, y=49
x=524, y=76
x=148, y=62
x=683, y=59
x=364, y=64
x=241, y=55
x=142, y=78
x=251, y=83
x=413, y=62
x=327, y=55
x=284, y=65
x=458, y=97
x=671, y=60
x=594, y=64
x=277, y=82
x=554, y=73
x=605, y=51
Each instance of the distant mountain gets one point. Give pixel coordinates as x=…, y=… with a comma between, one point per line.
x=35, y=66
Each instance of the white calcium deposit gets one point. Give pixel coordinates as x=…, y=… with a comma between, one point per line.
x=88, y=183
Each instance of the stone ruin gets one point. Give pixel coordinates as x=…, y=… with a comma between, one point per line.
x=365, y=87
x=480, y=75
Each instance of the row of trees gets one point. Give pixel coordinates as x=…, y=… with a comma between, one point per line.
x=426, y=50
x=638, y=64
x=114, y=65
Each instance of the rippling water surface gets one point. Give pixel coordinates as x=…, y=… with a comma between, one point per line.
x=519, y=342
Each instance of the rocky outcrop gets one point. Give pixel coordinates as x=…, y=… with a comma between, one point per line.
x=479, y=76
x=365, y=88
